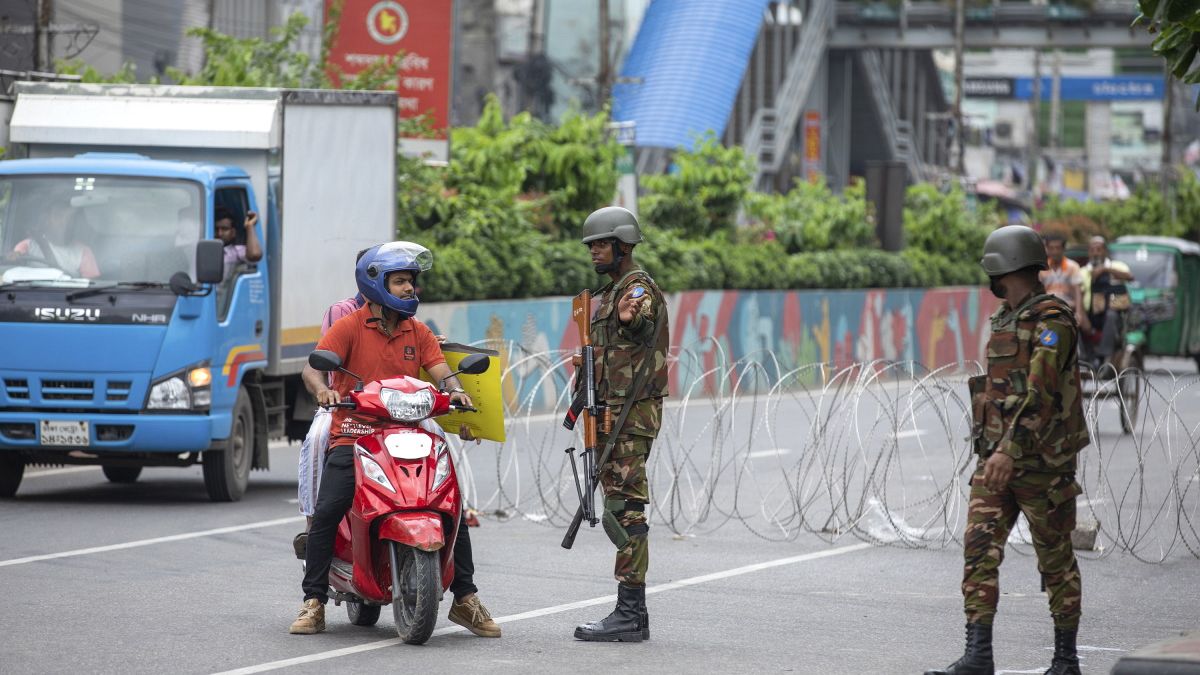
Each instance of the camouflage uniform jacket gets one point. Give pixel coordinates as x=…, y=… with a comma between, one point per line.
x=623, y=349
x=1028, y=403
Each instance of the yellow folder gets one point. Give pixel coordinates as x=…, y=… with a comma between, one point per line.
x=484, y=390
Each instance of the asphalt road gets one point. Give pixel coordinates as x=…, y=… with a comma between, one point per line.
x=153, y=578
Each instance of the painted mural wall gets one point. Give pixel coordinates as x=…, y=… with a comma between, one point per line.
x=712, y=331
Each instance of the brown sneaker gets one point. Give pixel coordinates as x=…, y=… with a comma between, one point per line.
x=472, y=615
x=311, y=619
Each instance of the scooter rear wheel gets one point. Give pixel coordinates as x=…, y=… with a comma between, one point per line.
x=361, y=614
x=416, y=592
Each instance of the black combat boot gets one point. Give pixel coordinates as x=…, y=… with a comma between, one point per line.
x=1066, y=661
x=625, y=622
x=977, y=659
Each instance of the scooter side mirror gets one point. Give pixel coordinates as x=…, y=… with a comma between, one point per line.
x=324, y=361
x=327, y=362
x=474, y=364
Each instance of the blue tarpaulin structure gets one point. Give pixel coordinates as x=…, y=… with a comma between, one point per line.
x=686, y=66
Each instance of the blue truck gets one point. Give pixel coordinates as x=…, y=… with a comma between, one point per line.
x=130, y=336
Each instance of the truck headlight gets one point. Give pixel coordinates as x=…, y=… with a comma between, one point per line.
x=443, y=465
x=170, y=394
x=404, y=407
x=190, y=389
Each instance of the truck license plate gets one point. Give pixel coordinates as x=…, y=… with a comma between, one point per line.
x=61, y=432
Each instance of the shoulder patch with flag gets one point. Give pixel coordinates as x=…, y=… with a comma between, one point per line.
x=1048, y=338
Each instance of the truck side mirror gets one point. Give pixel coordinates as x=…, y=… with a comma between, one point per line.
x=210, y=261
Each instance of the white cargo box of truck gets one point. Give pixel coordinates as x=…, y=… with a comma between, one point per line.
x=329, y=156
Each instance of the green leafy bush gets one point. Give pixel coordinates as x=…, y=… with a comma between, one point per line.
x=703, y=193
x=941, y=223
x=1144, y=212
x=811, y=218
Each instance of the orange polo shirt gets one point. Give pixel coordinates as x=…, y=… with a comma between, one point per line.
x=370, y=354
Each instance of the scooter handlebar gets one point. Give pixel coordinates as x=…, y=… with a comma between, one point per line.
x=346, y=403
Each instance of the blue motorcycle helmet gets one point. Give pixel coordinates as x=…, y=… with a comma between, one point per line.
x=373, y=268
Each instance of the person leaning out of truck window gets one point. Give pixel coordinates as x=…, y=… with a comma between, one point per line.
x=236, y=253
x=56, y=245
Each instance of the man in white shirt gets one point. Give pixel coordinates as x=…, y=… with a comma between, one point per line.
x=1105, y=298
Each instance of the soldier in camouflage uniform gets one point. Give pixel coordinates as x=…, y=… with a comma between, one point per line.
x=627, y=334
x=1027, y=427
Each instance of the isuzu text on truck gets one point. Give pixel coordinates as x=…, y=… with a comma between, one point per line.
x=129, y=335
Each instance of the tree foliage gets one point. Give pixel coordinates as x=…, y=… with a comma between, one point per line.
x=1176, y=24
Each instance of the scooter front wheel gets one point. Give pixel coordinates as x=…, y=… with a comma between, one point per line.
x=416, y=592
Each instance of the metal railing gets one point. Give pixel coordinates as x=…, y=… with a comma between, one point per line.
x=771, y=129
x=899, y=132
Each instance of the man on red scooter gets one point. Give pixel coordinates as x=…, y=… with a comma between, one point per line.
x=381, y=340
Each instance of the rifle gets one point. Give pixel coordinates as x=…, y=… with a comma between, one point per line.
x=585, y=404
x=594, y=415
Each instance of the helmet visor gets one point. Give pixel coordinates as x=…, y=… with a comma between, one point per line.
x=421, y=258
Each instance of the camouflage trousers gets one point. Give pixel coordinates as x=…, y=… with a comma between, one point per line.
x=624, y=477
x=1048, y=502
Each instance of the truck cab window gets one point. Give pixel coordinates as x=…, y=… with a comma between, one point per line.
x=110, y=228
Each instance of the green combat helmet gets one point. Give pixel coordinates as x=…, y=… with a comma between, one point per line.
x=1011, y=248
x=612, y=222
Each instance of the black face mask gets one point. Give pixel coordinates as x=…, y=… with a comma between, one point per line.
x=617, y=256
x=998, y=290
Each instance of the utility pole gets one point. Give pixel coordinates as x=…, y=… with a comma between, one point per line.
x=604, y=77
x=1035, y=108
x=1055, y=98
x=43, y=41
x=959, y=119
x=1164, y=172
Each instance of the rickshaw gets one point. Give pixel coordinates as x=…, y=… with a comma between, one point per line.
x=1163, y=318
x=1165, y=293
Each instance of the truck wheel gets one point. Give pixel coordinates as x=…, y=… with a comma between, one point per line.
x=416, y=592
x=226, y=472
x=12, y=468
x=122, y=474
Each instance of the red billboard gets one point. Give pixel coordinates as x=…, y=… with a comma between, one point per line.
x=419, y=32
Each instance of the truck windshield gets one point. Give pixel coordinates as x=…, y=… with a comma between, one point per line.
x=1151, y=269
x=71, y=230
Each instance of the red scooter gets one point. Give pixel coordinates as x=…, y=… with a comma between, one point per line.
x=396, y=544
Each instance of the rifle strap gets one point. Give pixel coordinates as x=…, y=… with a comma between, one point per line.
x=639, y=382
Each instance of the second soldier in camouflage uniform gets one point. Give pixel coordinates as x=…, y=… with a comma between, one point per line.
x=1028, y=426
x=626, y=333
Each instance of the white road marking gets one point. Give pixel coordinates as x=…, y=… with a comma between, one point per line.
x=909, y=433
x=58, y=472
x=556, y=609
x=156, y=540
x=773, y=452
x=292, y=501
x=277, y=445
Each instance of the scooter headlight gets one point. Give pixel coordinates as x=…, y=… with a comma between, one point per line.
x=404, y=407
x=373, y=471
x=443, y=465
